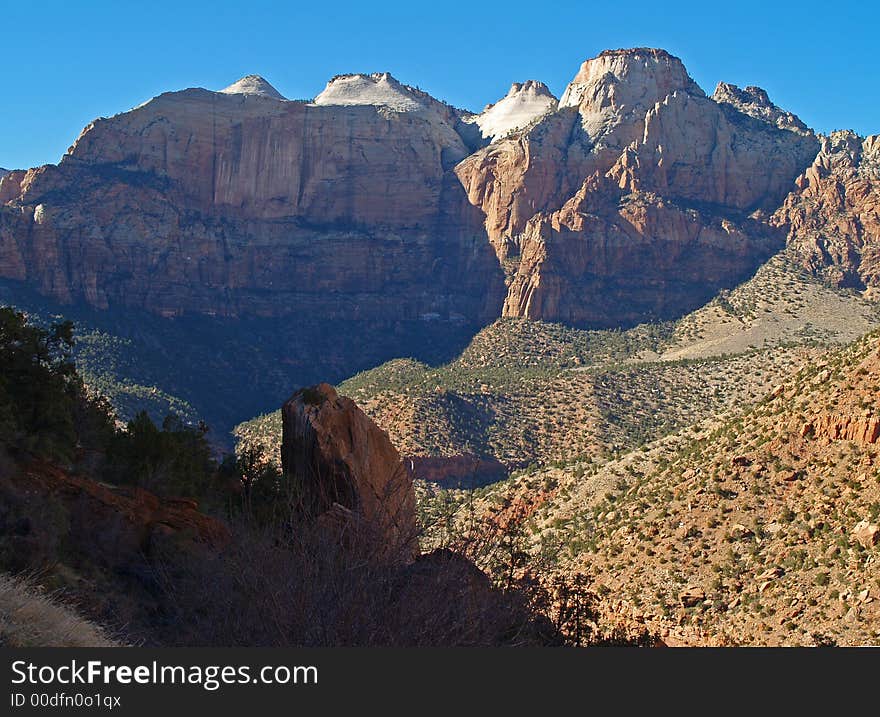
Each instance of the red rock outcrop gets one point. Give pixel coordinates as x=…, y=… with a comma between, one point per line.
x=833, y=426
x=346, y=471
x=110, y=523
x=833, y=215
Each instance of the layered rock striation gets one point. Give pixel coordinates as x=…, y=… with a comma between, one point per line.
x=241, y=203
x=635, y=196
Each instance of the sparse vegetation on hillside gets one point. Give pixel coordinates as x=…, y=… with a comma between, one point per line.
x=530, y=392
x=754, y=528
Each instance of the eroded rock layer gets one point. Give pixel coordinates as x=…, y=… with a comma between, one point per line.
x=833, y=214
x=634, y=196
x=240, y=203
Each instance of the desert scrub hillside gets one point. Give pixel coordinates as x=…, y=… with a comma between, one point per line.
x=528, y=392
x=31, y=618
x=780, y=304
x=544, y=412
x=640, y=402
x=511, y=394
x=758, y=528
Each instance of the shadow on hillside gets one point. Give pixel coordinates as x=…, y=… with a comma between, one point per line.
x=225, y=371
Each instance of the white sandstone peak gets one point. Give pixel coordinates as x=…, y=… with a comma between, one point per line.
x=636, y=77
x=378, y=89
x=524, y=102
x=252, y=85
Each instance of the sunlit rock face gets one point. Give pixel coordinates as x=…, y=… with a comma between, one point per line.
x=639, y=197
x=634, y=196
x=833, y=214
x=240, y=202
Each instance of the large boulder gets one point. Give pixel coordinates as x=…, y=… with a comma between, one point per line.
x=343, y=470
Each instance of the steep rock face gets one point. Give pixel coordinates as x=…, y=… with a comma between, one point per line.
x=834, y=426
x=633, y=197
x=10, y=184
x=640, y=197
x=346, y=469
x=698, y=152
x=640, y=257
x=833, y=215
x=239, y=203
x=600, y=113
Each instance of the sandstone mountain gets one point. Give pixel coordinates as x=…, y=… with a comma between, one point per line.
x=524, y=103
x=637, y=199
x=633, y=197
x=834, y=216
x=379, y=222
x=241, y=203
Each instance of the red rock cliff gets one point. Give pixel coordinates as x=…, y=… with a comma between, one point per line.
x=635, y=196
x=238, y=202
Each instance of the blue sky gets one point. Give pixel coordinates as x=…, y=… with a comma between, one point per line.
x=65, y=63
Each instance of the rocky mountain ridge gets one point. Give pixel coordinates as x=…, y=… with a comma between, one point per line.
x=378, y=222
x=633, y=197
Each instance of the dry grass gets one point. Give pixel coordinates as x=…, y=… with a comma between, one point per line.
x=30, y=618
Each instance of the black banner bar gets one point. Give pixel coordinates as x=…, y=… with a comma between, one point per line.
x=142, y=681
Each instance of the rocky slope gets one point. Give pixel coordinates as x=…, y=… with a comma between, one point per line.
x=758, y=528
